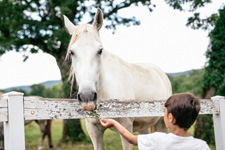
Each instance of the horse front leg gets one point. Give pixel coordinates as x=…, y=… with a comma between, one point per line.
x=95, y=131
x=128, y=124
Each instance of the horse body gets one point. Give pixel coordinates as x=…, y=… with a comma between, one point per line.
x=102, y=75
x=126, y=81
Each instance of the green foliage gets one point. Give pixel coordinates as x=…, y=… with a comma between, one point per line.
x=191, y=82
x=221, y=89
x=95, y=113
x=52, y=92
x=214, y=71
x=195, y=22
x=33, y=25
x=204, y=129
x=193, y=4
x=2, y=91
x=74, y=133
x=214, y=76
x=40, y=24
x=38, y=90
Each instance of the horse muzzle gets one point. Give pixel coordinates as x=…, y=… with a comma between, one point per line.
x=88, y=99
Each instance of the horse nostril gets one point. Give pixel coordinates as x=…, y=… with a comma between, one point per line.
x=95, y=96
x=78, y=97
x=86, y=96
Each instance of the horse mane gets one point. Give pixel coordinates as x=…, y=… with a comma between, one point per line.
x=78, y=31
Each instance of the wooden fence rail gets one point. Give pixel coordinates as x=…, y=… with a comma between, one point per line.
x=14, y=109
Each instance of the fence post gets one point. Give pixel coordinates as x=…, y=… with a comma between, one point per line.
x=219, y=121
x=14, y=137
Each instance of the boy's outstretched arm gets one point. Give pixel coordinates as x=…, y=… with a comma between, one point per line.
x=107, y=123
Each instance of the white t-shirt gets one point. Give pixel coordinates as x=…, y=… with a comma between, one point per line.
x=163, y=141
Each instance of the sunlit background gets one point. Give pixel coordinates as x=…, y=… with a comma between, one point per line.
x=162, y=39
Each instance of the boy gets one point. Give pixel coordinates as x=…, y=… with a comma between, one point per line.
x=181, y=111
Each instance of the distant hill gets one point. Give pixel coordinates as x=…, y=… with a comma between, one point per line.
x=179, y=73
x=27, y=88
x=49, y=84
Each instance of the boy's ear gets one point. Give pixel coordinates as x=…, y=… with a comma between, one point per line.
x=171, y=118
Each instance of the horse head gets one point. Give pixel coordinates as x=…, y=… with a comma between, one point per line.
x=85, y=50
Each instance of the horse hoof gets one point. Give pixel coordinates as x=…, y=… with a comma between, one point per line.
x=40, y=148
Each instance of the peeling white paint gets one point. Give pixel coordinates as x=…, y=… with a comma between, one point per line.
x=45, y=108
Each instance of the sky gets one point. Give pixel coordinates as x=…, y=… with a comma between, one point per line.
x=162, y=39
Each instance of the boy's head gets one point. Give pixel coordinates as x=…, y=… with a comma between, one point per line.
x=184, y=108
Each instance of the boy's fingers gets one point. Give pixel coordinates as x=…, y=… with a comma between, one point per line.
x=103, y=120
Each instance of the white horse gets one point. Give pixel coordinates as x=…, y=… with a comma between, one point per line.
x=102, y=75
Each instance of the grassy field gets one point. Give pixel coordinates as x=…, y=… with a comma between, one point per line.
x=32, y=135
x=111, y=139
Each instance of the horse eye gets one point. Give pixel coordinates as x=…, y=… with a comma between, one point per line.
x=100, y=51
x=71, y=53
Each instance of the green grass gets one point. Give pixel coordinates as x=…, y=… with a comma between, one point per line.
x=32, y=138
x=111, y=139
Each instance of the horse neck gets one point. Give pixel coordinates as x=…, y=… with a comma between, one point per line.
x=112, y=65
x=112, y=70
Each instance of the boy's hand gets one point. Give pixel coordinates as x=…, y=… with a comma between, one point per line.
x=107, y=123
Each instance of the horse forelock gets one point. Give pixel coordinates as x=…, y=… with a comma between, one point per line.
x=84, y=28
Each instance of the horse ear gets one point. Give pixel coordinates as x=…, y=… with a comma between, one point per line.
x=98, y=20
x=69, y=25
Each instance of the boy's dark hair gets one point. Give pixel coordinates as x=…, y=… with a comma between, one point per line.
x=184, y=107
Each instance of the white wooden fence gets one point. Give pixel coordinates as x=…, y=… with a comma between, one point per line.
x=14, y=109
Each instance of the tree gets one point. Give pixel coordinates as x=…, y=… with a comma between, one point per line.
x=195, y=22
x=33, y=25
x=214, y=76
x=214, y=71
x=38, y=25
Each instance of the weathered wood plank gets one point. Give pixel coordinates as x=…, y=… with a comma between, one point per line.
x=3, y=114
x=3, y=110
x=3, y=103
x=45, y=108
x=207, y=106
